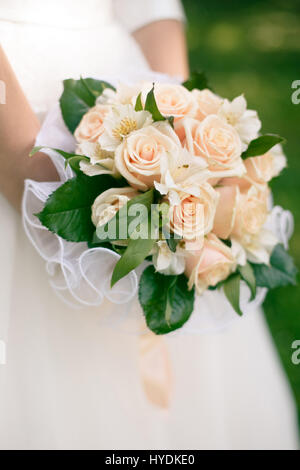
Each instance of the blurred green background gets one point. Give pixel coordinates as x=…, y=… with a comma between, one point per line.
x=253, y=47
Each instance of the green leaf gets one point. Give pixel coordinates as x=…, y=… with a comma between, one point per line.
x=151, y=106
x=96, y=87
x=66, y=155
x=135, y=253
x=138, y=248
x=161, y=212
x=120, y=222
x=78, y=97
x=172, y=239
x=166, y=300
x=171, y=121
x=232, y=291
x=172, y=244
x=138, y=103
x=281, y=272
x=261, y=145
x=197, y=80
x=67, y=211
x=35, y=150
x=72, y=159
x=74, y=162
x=248, y=276
x=216, y=287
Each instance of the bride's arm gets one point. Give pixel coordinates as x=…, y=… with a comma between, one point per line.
x=158, y=27
x=18, y=129
x=164, y=45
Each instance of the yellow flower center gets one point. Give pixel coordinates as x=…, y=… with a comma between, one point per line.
x=231, y=118
x=124, y=128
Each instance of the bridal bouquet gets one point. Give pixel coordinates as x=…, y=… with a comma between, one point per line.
x=176, y=176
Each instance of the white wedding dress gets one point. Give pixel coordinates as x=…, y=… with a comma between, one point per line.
x=71, y=382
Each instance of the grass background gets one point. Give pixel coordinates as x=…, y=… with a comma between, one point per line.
x=253, y=47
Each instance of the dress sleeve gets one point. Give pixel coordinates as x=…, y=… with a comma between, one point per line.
x=134, y=14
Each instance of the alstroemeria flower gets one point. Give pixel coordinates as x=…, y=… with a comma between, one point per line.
x=184, y=173
x=124, y=94
x=119, y=123
x=167, y=262
x=245, y=121
x=258, y=250
x=101, y=161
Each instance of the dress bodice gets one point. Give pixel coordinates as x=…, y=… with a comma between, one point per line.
x=47, y=41
x=52, y=40
x=58, y=13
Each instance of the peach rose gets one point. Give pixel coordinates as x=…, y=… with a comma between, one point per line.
x=215, y=141
x=207, y=103
x=213, y=263
x=107, y=204
x=194, y=216
x=173, y=100
x=91, y=125
x=140, y=155
x=241, y=214
x=265, y=167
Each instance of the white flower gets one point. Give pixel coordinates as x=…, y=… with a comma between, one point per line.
x=124, y=94
x=257, y=250
x=239, y=253
x=279, y=159
x=192, y=199
x=120, y=122
x=182, y=174
x=107, y=97
x=261, y=247
x=167, y=262
x=101, y=162
x=127, y=94
x=108, y=203
x=245, y=121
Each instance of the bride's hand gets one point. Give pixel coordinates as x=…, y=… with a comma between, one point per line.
x=18, y=129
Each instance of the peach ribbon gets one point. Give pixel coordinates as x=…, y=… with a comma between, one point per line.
x=155, y=369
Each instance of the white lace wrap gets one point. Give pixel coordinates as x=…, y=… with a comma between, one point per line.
x=81, y=276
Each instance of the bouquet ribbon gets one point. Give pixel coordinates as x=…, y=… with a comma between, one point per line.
x=155, y=369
